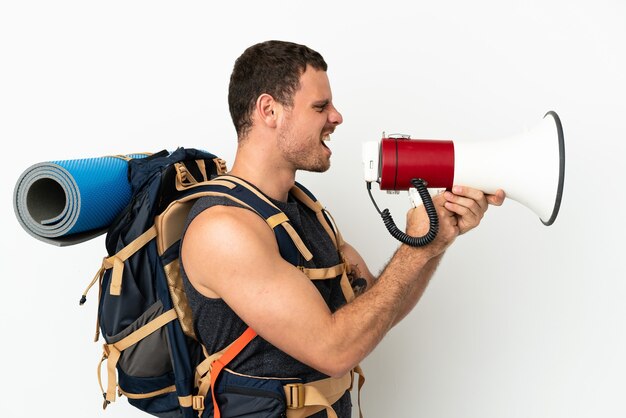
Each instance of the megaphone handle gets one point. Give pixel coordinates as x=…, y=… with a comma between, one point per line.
x=403, y=237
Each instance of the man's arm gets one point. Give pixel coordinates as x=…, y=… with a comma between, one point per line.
x=232, y=254
x=468, y=205
x=360, y=270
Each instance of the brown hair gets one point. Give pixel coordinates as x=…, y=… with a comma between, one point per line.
x=271, y=67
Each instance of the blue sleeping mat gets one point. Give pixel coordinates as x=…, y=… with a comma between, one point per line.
x=71, y=201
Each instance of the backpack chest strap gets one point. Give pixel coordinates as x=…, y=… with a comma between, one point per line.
x=330, y=273
x=323, y=273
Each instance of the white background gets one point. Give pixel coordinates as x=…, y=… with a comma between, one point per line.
x=521, y=320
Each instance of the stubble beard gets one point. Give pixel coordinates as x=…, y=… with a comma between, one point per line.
x=302, y=154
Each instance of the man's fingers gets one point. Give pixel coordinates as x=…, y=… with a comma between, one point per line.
x=466, y=206
x=497, y=198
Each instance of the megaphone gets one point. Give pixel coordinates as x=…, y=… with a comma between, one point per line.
x=529, y=167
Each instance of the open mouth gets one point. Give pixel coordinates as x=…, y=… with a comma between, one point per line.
x=325, y=139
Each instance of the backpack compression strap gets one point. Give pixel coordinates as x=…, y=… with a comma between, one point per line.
x=112, y=353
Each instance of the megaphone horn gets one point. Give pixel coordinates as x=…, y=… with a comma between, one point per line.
x=529, y=167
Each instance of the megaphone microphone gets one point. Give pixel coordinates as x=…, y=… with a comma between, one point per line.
x=529, y=167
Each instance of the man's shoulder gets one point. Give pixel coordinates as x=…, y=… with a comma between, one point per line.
x=209, y=201
x=222, y=220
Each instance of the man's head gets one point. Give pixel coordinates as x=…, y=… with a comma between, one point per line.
x=272, y=67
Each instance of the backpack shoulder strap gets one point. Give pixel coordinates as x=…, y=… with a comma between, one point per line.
x=244, y=193
x=323, y=216
x=326, y=220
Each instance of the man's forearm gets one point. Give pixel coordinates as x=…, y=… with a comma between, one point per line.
x=419, y=287
x=359, y=326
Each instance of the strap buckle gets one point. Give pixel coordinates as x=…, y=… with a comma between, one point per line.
x=220, y=165
x=294, y=392
x=197, y=402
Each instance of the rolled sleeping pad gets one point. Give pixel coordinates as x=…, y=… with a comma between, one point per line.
x=71, y=201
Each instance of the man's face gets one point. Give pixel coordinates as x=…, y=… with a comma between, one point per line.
x=306, y=125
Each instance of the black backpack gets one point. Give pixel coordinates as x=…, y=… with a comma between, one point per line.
x=152, y=354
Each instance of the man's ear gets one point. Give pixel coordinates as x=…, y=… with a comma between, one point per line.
x=267, y=110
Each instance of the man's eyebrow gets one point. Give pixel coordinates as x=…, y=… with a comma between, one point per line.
x=321, y=103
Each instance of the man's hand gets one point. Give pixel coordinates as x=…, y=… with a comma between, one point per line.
x=418, y=225
x=469, y=205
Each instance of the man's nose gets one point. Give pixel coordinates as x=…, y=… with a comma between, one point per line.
x=335, y=117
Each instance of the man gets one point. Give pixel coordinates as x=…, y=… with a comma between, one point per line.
x=282, y=107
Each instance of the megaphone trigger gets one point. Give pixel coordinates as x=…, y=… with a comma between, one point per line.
x=414, y=197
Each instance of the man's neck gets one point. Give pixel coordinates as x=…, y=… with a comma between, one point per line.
x=261, y=169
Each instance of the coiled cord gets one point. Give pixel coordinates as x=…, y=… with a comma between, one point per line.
x=403, y=237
